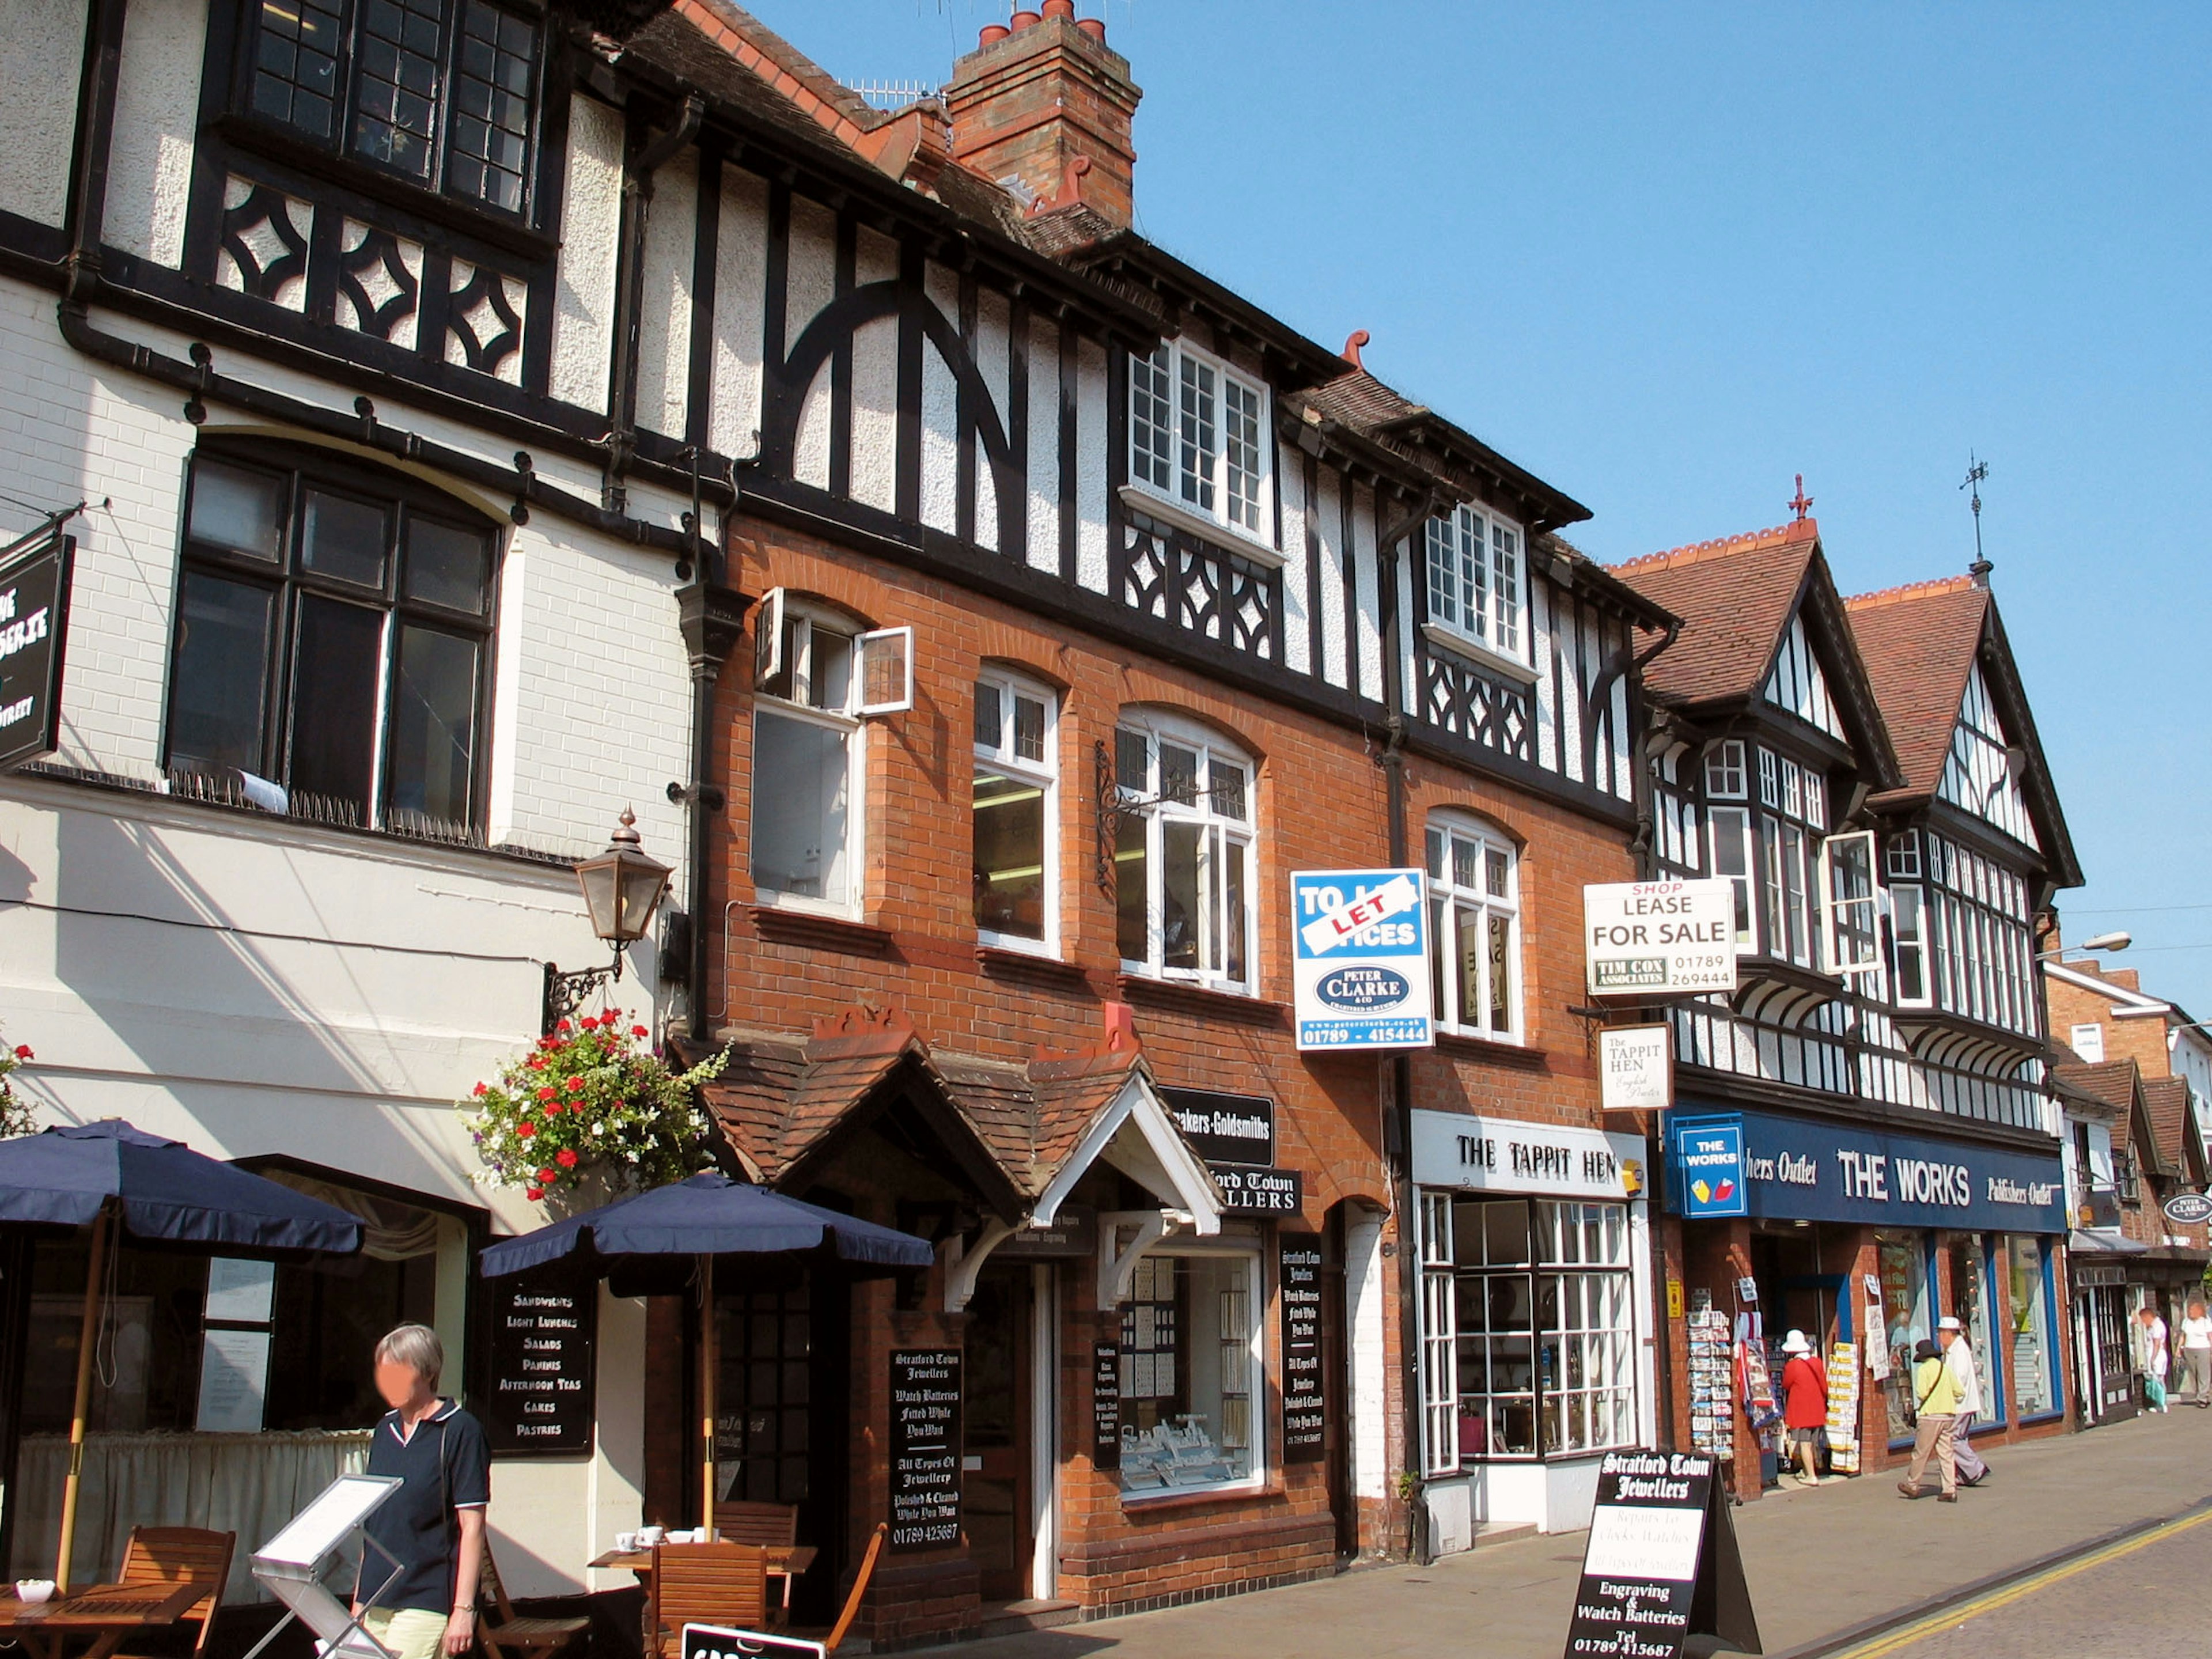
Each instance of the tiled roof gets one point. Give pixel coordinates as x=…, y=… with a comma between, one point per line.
x=1735, y=597
x=1919, y=642
x=2112, y=1081
x=2167, y=1100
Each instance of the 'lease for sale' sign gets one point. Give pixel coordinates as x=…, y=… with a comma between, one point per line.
x=1660, y=937
x=1360, y=973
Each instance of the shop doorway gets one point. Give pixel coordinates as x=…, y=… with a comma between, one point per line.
x=1336, y=1388
x=2107, y=1354
x=1007, y=1497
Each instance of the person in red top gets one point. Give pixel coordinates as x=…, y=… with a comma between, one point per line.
x=1804, y=1403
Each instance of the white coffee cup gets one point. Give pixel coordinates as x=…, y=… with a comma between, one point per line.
x=649, y=1536
x=34, y=1590
x=625, y=1542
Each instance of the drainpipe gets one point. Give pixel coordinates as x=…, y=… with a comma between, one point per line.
x=95, y=132
x=637, y=203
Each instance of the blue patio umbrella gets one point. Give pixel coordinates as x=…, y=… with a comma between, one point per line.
x=111, y=1175
x=635, y=1239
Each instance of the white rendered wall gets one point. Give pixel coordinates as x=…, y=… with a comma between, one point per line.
x=664, y=334
x=41, y=57
x=157, y=105
x=1366, y=1300
x=591, y=230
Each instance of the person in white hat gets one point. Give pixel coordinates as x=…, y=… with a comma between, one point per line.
x=1959, y=1356
x=1804, y=1405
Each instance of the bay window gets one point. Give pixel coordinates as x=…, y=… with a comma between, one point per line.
x=1183, y=855
x=1198, y=439
x=1191, y=1381
x=1476, y=588
x=1474, y=918
x=807, y=762
x=1015, y=812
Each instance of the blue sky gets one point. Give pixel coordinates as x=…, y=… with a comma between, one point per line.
x=1669, y=257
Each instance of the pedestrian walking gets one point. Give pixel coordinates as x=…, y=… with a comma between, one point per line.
x=2196, y=1351
x=1936, y=1403
x=2151, y=1331
x=1804, y=1406
x=1959, y=1356
x=434, y=1524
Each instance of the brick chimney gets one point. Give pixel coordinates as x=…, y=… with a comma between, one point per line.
x=1037, y=94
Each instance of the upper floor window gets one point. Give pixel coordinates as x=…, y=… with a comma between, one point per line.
x=441, y=91
x=333, y=637
x=1183, y=854
x=1475, y=915
x=1725, y=772
x=1197, y=437
x=1016, y=811
x=1979, y=957
x=1475, y=579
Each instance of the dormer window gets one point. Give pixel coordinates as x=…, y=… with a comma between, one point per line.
x=1198, y=439
x=1476, y=589
x=443, y=93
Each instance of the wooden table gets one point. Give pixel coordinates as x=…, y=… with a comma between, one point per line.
x=785, y=1561
x=106, y=1612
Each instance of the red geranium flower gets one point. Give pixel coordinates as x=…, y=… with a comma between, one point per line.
x=547, y=1177
x=546, y=1092
x=552, y=1108
x=575, y=1085
x=638, y=1031
x=23, y=1051
x=533, y=1193
x=566, y=1157
x=525, y=1129
x=561, y=1025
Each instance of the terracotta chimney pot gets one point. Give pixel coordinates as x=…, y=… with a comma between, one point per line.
x=1023, y=20
x=992, y=34
x=1093, y=26
x=1060, y=8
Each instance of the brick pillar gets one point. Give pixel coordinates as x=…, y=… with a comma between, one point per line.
x=1028, y=101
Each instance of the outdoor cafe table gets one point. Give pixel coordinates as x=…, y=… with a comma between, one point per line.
x=784, y=1561
x=106, y=1612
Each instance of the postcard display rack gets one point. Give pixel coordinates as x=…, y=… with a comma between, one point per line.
x=1712, y=1383
x=291, y=1565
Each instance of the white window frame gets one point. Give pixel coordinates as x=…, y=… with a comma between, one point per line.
x=1045, y=773
x=1448, y=900
x=1908, y=930
x=1182, y=497
x=1863, y=909
x=1258, y=1297
x=1726, y=772
x=1218, y=832
x=1473, y=557
x=1734, y=822
x=1439, y=1337
x=792, y=648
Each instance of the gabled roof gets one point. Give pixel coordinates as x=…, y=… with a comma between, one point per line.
x=2120, y=1084
x=2166, y=1101
x=1736, y=596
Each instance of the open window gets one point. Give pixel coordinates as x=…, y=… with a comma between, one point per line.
x=1850, y=934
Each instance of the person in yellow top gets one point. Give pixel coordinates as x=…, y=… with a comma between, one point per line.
x=1935, y=1400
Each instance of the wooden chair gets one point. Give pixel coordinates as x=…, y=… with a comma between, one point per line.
x=859, y=1587
x=177, y=1555
x=761, y=1523
x=511, y=1635
x=705, y=1584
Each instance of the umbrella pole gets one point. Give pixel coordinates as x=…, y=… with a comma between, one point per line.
x=87, y=1334
x=708, y=1368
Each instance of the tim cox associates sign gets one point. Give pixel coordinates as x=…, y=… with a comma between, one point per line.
x=34, y=589
x=1660, y=937
x=1360, y=971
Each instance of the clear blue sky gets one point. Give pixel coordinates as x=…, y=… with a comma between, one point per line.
x=1669, y=256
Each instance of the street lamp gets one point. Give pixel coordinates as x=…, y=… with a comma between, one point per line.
x=2119, y=941
x=621, y=887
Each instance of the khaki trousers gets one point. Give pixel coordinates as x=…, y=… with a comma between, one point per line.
x=410, y=1632
x=1934, y=1436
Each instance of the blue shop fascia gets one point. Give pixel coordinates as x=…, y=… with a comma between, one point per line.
x=1862, y=1236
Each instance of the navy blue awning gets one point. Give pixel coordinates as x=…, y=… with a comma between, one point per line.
x=712, y=1215
x=164, y=1191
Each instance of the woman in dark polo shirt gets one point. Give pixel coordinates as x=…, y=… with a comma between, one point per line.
x=425, y=1606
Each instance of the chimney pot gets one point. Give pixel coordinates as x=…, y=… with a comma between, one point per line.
x=1093, y=26
x=992, y=34
x=1022, y=20
x=1060, y=8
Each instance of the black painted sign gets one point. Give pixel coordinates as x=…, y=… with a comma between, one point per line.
x=1225, y=1129
x=1106, y=1406
x=1304, y=1411
x=1661, y=1565
x=924, y=1398
x=544, y=1326
x=1260, y=1192
x=721, y=1642
x=1073, y=1236
x=34, y=593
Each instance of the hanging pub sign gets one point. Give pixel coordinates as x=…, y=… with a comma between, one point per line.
x=545, y=1327
x=1635, y=1069
x=1235, y=1136
x=34, y=595
x=1360, y=970
x=925, y=1491
x=1304, y=1412
x=1106, y=1406
x=1661, y=1565
x=1660, y=937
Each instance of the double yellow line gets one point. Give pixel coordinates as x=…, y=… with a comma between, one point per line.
x=1950, y=1617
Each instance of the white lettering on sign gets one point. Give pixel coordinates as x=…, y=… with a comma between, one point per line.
x=1864, y=1175
x=1346, y=924
x=26, y=631
x=1660, y=936
x=18, y=710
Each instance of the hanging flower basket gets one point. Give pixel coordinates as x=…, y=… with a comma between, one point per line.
x=591, y=1110
x=15, y=1111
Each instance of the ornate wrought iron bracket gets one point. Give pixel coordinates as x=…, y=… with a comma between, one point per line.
x=566, y=992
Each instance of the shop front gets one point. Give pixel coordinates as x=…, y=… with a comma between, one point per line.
x=1535, y=1319
x=1863, y=1238
x=2104, y=1337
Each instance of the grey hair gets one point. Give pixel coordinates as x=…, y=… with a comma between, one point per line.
x=414, y=1346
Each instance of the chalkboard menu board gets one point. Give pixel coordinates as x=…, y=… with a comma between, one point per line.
x=1304, y=1412
x=925, y=1449
x=1661, y=1565
x=1106, y=1406
x=544, y=1324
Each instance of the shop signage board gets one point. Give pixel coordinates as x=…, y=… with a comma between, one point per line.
x=1106, y=1406
x=1235, y=1135
x=1074, y=1235
x=1660, y=1565
x=925, y=1463
x=1503, y=1154
x=720, y=1642
x=2187, y=1209
x=543, y=1398
x=1799, y=1170
x=35, y=596
x=1636, y=1068
x=1711, y=1158
x=1659, y=939
x=1305, y=1410
x=1259, y=1191
x=1359, y=964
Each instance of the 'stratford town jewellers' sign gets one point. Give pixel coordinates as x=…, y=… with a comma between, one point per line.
x=1235, y=1135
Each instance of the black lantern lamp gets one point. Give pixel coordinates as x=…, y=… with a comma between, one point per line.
x=622, y=887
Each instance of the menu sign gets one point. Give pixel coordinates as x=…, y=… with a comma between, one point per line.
x=544, y=1328
x=1304, y=1414
x=925, y=1448
x=1660, y=1565
x=1106, y=1406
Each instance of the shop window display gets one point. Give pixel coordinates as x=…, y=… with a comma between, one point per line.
x=1969, y=1287
x=2029, y=1375
x=1190, y=1363
x=1904, y=1311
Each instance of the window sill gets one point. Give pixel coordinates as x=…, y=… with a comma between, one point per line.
x=1489, y=1048
x=814, y=930
x=1202, y=999
x=1229, y=540
x=1446, y=639
x=1008, y=961
x=1234, y=1493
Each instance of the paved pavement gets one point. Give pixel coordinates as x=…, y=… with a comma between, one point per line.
x=1825, y=1566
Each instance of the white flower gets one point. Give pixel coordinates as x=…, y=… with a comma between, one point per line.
x=598, y=1128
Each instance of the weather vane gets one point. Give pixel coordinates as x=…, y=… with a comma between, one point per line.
x=1978, y=470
